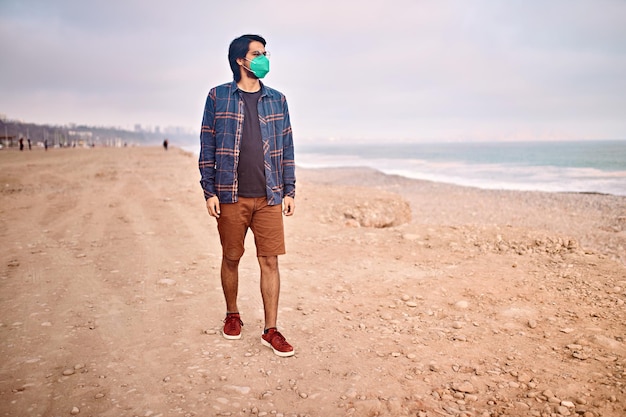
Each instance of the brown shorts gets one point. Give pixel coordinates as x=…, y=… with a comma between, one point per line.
x=266, y=223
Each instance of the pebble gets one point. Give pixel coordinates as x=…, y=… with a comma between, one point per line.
x=167, y=281
x=411, y=304
x=68, y=372
x=562, y=410
x=464, y=386
x=75, y=410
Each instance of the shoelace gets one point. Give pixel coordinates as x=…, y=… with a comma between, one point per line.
x=281, y=339
x=230, y=318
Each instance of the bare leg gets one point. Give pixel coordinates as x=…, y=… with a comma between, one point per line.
x=270, y=288
x=230, y=283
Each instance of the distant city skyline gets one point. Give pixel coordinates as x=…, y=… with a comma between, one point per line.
x=407, y=70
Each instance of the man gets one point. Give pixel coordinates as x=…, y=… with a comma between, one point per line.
x=248, y=175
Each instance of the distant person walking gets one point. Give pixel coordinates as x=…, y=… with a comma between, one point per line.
x=165, y=143
x=248, y=173
x=21, y=144
x=29, y=145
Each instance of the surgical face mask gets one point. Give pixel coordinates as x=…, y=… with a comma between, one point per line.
x=259, y=66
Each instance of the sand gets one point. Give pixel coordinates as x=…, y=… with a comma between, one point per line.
x=401, y=297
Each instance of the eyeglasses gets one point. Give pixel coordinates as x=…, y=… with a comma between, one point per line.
x=259, y=53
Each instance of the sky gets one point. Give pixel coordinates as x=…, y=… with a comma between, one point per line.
x=391, y=70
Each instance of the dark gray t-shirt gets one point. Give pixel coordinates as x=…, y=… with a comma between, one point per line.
x=251, y=168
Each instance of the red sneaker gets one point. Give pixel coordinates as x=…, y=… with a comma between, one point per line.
x=232, y=326
x=273, y=339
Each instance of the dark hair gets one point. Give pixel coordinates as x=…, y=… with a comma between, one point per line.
x=239, y=49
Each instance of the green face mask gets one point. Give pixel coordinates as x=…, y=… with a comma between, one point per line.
x=260, y=66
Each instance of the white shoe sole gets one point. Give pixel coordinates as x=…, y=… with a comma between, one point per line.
x=278, y=352
x=229, y=337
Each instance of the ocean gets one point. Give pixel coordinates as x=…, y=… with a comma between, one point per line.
x=572, y=166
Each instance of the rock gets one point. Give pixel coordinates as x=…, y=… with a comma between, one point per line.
x=166, y=281
x=464, y=386
x=75, y=410
x=563, y=411
x=379, y=212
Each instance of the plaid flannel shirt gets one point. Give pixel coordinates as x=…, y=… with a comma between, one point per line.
x=220, y=139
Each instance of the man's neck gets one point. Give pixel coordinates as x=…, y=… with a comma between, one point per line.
x=249, y=85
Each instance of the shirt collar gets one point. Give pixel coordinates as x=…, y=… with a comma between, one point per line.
x=264, y=89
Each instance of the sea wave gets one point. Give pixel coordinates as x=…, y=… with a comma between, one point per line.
x=485, y=175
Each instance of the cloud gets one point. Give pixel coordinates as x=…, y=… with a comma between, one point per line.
x=416, y=69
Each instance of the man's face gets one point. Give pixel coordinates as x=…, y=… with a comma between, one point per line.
x=255, y=49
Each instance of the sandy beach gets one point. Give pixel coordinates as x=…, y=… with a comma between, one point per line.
x=401, y=297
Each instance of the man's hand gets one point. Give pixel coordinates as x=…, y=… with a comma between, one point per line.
x=289, y=206
x=213, y=205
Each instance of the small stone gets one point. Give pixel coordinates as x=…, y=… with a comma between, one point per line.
x=304, y=395
x=562, y=411
x=462, y=304
x=464, y=386
x=568, y=404
x=434, y=367
x=532, y=324
x=68, y=372
x=167, y=281
x=75, y=410
x=99, y=395
x=411, y=304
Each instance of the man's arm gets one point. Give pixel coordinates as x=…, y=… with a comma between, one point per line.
x=206, y=161
x=289, y=163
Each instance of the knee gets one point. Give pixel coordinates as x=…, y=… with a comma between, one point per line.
x=269, y=262
x=230, y=263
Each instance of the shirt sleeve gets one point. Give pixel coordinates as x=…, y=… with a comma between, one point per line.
x=289, y=163
x=206, y=161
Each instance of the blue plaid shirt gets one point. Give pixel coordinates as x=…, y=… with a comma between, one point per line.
x=220, y=138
